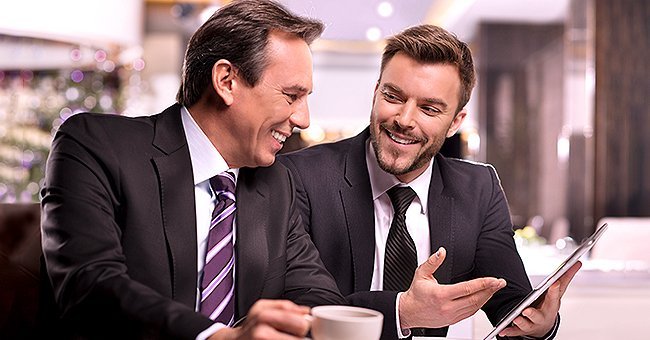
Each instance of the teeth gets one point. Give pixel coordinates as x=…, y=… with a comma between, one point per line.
x=400, y=140
x=278, y=136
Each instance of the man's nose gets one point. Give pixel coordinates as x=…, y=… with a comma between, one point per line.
x=300, y=117
x=405, y=117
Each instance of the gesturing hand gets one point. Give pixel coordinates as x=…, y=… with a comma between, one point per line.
x=430, y=304
x=537, y=321
x=269, y=319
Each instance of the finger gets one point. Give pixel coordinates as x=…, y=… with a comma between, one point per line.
x=534, y=315
x=514, y=329
x=467, y=288
x=524, y=324
x=285, y=321
x=551, y=302
x=468, y=305
x=566, y=278
x=285, y=305
x=268, y=332
x=426, y=269
x=282, y=315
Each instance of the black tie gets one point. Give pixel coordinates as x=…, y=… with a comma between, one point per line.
x=401, y=256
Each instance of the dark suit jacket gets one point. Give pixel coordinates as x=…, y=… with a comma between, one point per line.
x=119, y=231
x=468, y=215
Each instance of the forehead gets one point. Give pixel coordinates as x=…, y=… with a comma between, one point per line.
x=425, y=80
x=289, y=61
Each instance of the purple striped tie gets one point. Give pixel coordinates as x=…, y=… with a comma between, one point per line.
x=217, y=288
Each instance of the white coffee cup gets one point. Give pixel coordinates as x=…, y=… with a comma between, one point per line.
x=345, y=323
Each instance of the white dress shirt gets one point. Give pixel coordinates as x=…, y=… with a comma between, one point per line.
x=417, y=221
x=207, y=162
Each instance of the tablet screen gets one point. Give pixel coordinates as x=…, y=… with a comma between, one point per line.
x=547, y=282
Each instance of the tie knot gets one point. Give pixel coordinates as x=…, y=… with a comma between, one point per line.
x=224, y=184
x=401, y=197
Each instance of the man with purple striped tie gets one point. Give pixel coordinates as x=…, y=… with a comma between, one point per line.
x=177, y=225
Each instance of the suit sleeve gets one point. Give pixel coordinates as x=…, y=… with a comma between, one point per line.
x=81, y=240
x=383, y=301
x=307, y=282
x=497, y=256
x=302, y=206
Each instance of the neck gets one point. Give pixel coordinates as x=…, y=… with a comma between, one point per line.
x=209, y=121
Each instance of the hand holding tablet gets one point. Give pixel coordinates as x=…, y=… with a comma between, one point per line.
x=540, y=289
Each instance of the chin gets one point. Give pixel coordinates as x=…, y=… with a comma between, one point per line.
x=266, y=161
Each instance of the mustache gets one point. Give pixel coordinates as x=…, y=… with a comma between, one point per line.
x=394, y=127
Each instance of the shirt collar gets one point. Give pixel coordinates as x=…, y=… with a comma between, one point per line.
x=381, y=181
x=206, y=160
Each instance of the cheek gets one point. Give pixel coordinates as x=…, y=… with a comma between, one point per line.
x=382, y=111
x=280, y=112
x=433, y=131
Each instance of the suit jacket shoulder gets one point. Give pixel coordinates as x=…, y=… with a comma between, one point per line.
x=118, y=193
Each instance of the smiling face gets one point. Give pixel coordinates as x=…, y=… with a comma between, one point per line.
x=414, y=110
x=263, y=116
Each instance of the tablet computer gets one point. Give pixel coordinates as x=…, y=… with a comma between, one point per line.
x=547, y=282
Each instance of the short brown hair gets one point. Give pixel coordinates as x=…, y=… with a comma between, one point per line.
x=432, y=44
x=238, y=32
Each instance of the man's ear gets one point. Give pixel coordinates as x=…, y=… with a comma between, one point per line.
x=456, y=123
x=223, y=74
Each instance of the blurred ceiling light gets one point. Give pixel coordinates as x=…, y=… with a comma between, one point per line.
x=373, y=33
x=563, y=149
x=385, y=9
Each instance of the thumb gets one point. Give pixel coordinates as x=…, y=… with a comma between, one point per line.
x=432, y=264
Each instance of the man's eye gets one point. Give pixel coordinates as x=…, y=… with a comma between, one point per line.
x=390, y=97
x=291, y=97
x=430, y=110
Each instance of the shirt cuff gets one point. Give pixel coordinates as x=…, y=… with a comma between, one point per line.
x=401, y=333
x=210, y=330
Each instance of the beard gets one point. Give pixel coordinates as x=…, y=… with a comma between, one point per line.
x=417, y=161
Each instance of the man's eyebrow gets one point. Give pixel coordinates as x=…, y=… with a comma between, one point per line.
x=392, y=87
x=297, y=88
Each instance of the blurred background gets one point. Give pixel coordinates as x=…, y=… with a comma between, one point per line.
x=561, y=107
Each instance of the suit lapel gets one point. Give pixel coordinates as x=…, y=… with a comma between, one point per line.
x=251, y=249
x=440, y=222
x=356, y=197
x=174, y=172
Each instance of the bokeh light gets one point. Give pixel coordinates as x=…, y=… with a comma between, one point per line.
x=77, y=76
